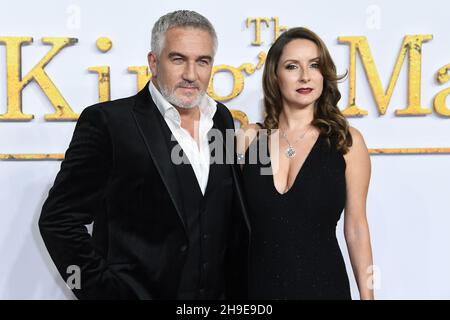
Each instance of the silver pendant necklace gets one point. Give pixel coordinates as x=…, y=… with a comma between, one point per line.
x=290, y=151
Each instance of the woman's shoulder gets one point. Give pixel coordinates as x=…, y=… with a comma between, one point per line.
x=356, y=134
x=358, y=164
x=358, y=142
x=358, y=149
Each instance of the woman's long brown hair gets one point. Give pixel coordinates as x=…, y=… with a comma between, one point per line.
x=327, y=117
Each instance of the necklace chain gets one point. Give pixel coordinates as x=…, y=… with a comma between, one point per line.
x=284, y=135
x=290, y=152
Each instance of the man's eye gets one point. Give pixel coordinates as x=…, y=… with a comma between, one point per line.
x=203, y=62
x=177, y=60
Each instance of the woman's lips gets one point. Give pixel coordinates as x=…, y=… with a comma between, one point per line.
x=304, y=90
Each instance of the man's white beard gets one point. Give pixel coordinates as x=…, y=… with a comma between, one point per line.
x=170, y=96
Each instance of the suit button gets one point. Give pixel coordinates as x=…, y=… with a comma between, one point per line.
x=183, y=248
x=205, y=266
x=205, y=236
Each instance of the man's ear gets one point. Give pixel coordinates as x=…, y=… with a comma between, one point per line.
x=152, y=63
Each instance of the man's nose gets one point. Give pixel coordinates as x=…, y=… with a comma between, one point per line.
x=189, y=73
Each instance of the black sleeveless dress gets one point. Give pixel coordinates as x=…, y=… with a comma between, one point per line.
x=294, y=253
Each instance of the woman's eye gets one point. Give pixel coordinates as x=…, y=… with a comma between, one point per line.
x=291, y=67
x=315, y=66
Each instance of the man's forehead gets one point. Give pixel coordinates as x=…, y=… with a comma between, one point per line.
x=188, y=41
x=188, y=32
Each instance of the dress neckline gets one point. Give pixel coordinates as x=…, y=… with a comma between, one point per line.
x=299, y=172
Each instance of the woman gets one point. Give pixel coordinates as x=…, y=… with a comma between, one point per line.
x=318, y=165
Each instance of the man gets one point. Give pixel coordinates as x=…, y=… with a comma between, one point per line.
x=161, y=230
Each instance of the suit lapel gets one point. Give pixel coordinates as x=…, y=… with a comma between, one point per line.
x=149, y=120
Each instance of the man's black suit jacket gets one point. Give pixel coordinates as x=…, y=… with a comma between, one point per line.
x=118, y=174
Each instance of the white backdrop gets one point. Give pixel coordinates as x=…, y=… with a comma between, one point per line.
x=408, y=208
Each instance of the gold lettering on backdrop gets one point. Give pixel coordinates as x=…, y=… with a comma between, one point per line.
x=239, y=116
x=411, y=45
x=257, y=22
x=104, y=44
x=31, y=156
x=439, y=99
x=238, y=86
x=238, y=80
x=15, y=83
x=261, y=60
x=277, y=28
x=410, y=48
x=143, y=75
x=104, y=86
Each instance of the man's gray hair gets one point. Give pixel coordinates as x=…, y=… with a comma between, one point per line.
x=183, y=19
